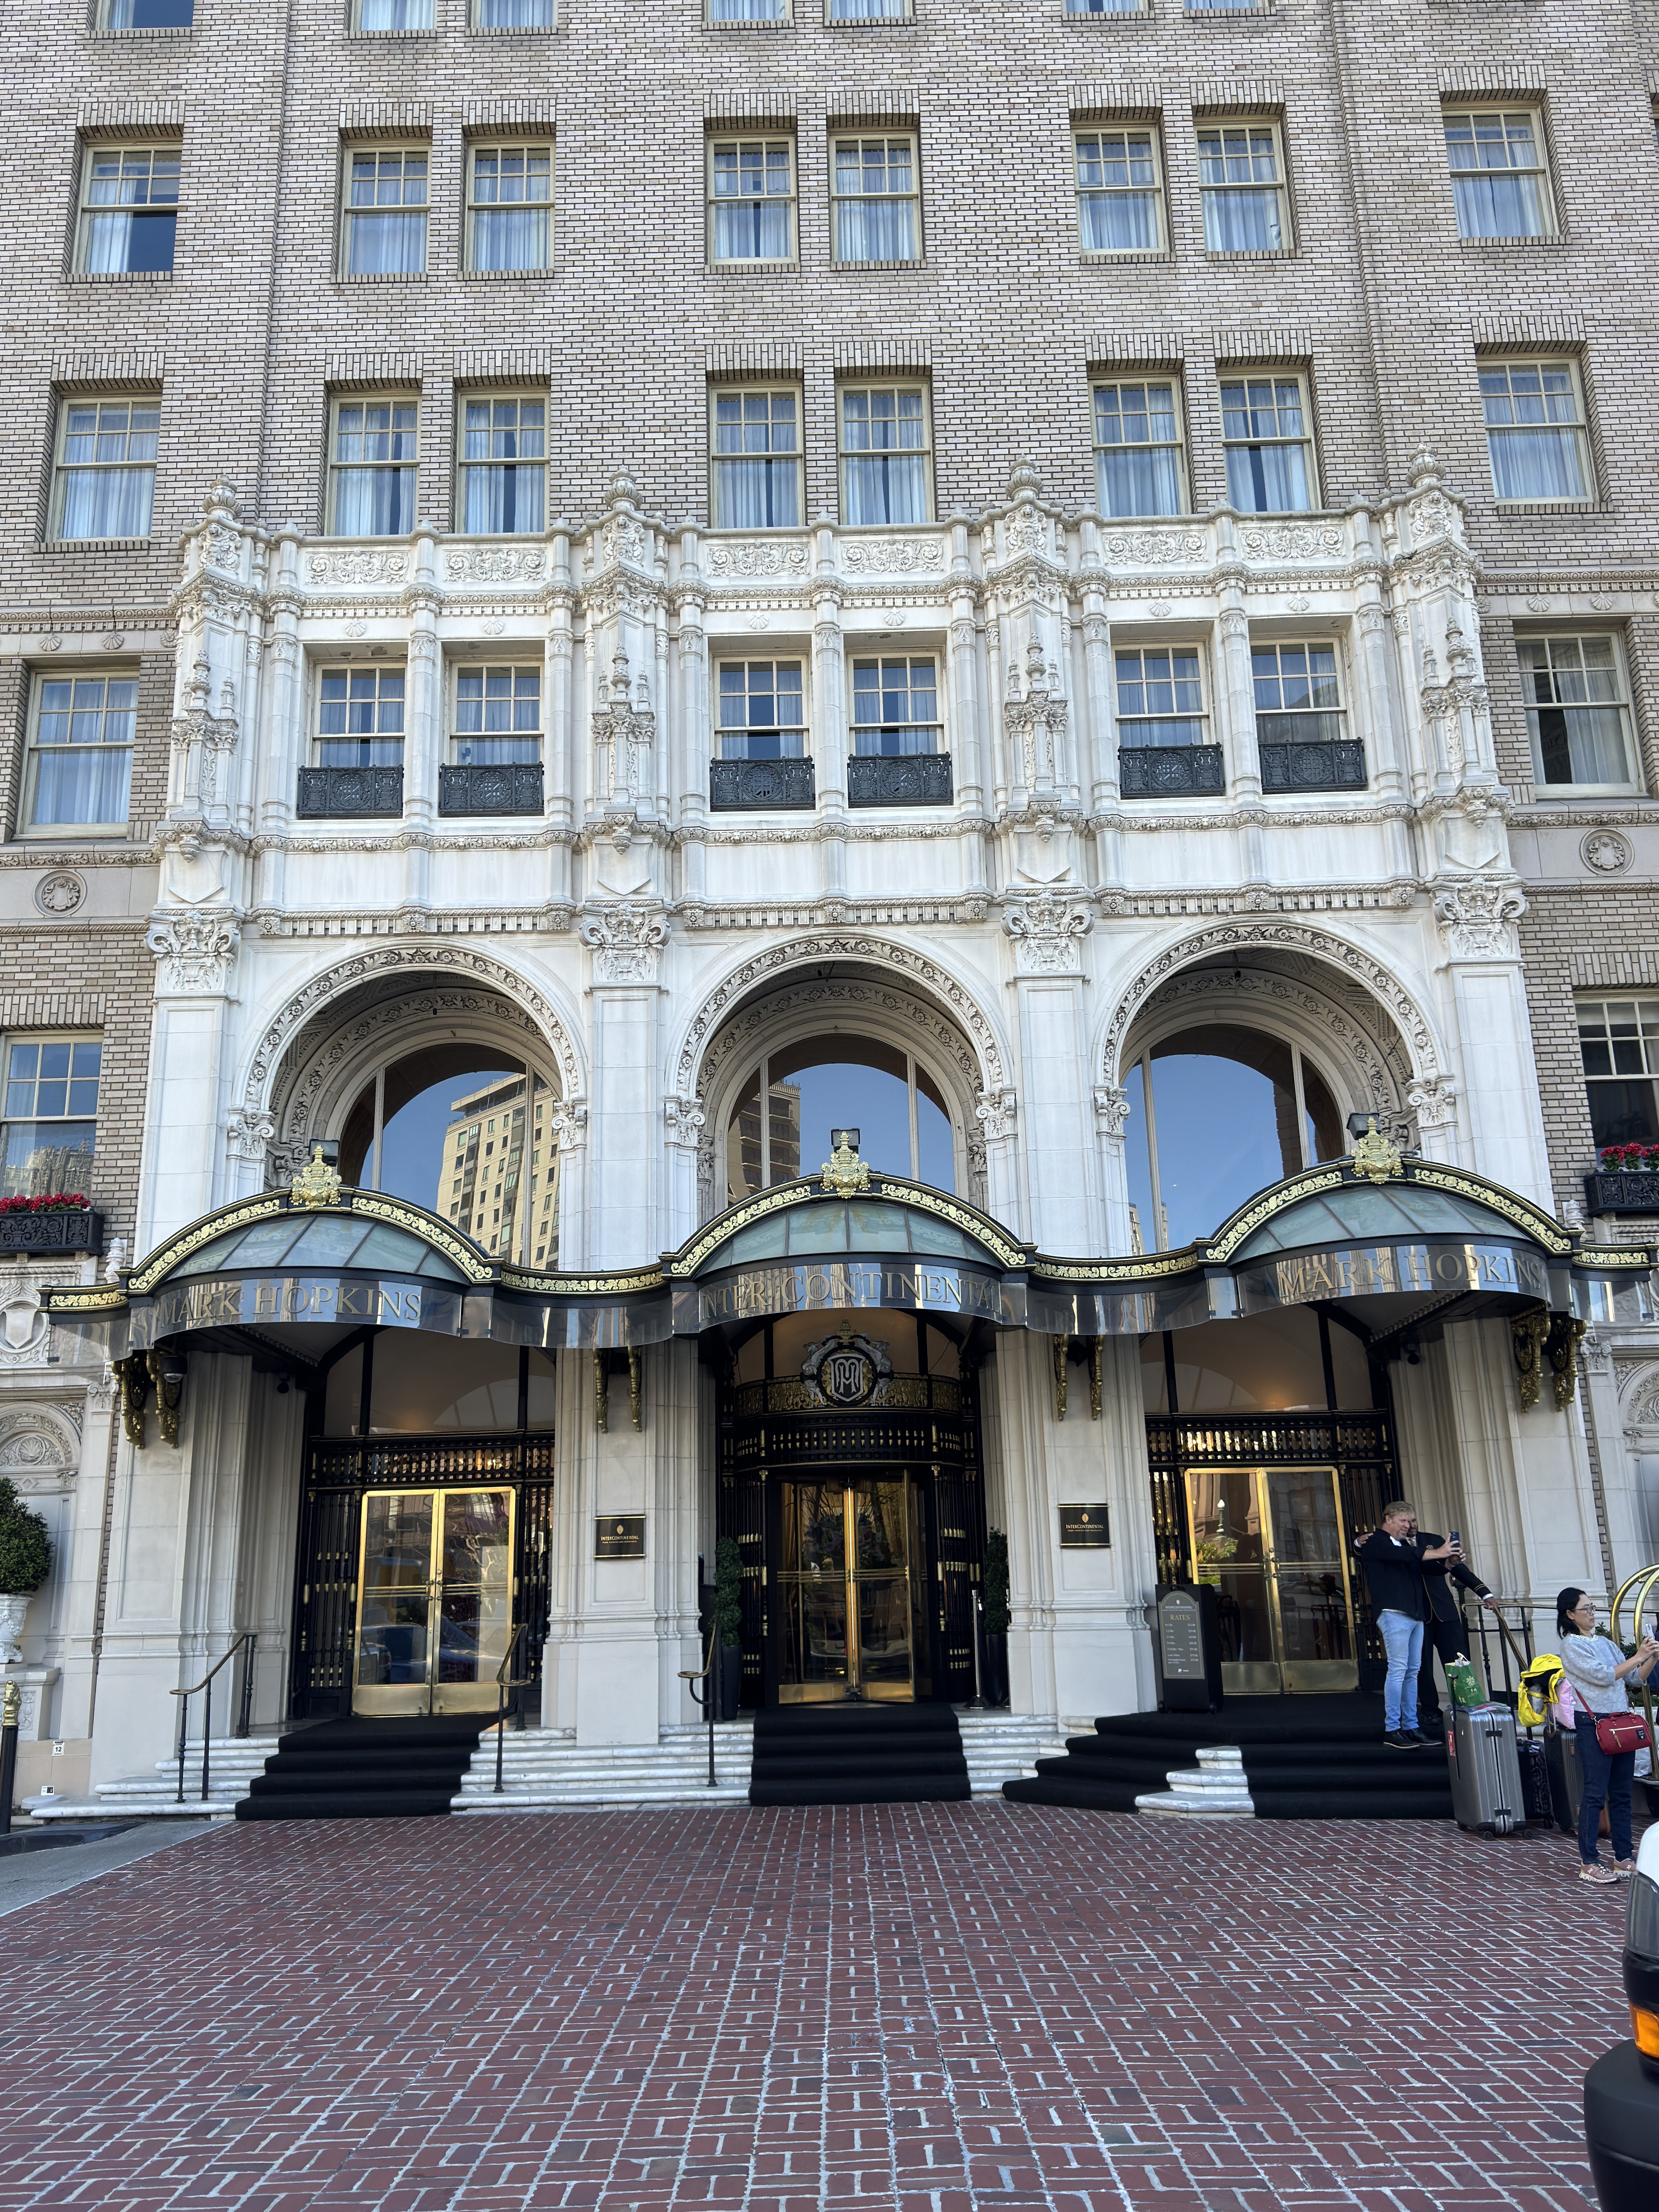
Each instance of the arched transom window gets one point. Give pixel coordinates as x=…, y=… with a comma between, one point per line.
x=780, y=1126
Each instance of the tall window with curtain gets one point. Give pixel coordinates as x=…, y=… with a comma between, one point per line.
x=52, y=1114
x=866, y=11
x=1120, y=190
x=1500, y=176
x=875, y=204
x=509, y=192
x=146, y=14
x=1241, y=169
x=514, y=15
x=105, y=482
x=1160, y=696
x=129, y=210
x=80, y=765
x=1535, y=434
x=756, y=436
x=392, y=16
x=374, y=465
x=1577, y=710
x=896, y=705
x=384, y=219
x=886, y=473
x=751, y=200
x=1299, y=694
x=1266, y=432
x=503, y=463
x=360, y=717
x=747, y=11
x=497, y=716
x=762, y=710
x=1106, y=7
x=1138, y=452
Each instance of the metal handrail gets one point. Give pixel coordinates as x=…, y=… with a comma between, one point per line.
x=706, y=1700
x=1649, y=1578
x=504, y=1682
x=250, y=1638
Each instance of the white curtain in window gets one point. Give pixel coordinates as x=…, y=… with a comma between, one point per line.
x=1269, y=479
x=388, y=245
x=746, y=11
x=875, y=230
x=886, y=487
x=502, y=501
x=109, y=241
x=1140, y=480
x=1119, y=222
x=752, y=231
x=1595, y=741
x=510, y=238
x=1500, y=205
x=373, y=503
x=395, y=15
x=1245, y=222
x=865, y=11
x=80, y=783
x=1538, y=463
x=107, y=502
x=515, y=15
x=757, y=495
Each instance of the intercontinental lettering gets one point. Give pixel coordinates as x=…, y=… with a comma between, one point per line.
x=843, y=1284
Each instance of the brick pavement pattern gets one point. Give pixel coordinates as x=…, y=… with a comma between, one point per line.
x=931, y=2007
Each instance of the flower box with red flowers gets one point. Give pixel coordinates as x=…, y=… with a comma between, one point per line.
x=59, y=1221
x=1625, y=1181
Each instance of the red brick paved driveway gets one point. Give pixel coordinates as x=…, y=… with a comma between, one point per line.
x=933, y=2007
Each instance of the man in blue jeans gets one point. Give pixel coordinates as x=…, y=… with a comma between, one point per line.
x=1400, y=1599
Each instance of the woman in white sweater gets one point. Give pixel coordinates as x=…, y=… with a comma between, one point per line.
x=1598, y=1671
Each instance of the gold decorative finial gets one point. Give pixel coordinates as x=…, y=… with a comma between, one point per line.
x=11, y=1705
x=844, y=1172
x=316, y=1184
x=1373, y=1155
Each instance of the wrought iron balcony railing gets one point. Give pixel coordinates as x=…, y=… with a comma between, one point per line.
x=1171, y=771
x=345, y=794
x=496, y=787
x=899, y=780
x=742, y=785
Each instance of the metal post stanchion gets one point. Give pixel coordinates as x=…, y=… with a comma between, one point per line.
x=11, y=1711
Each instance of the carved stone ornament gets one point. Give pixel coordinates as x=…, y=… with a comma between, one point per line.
x=1036, y=724
x=684, y=1117
x=494, y=564
x=195, y=947
x=1373, y=1156
x=1477, y=917
x=624, y=730
x=756, y=556
x=1561, y=1350
x=1606, y=852
x=1047, y=926
x=892, y=556
x=386, y=568
x=1111, y=1109
x=1527, y=1332
x=626, y=940
x=1433, y=1099
x=317, y=1184
x=996, y=1111
x=250, y=1133
x=844, y=1173
x=61, y=893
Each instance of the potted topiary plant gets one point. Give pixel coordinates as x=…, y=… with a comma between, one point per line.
x=727, y=1685
x=25, y=1563
x=995, y=1619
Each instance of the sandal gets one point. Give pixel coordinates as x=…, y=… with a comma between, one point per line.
x=1597, y=1873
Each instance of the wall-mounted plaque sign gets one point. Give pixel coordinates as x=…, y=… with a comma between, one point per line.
x=619, y=1536
x=1085, y=1528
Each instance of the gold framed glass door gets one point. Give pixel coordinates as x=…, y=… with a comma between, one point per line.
x=435, y=1601
x=846, y=1590
x=1270, y=1541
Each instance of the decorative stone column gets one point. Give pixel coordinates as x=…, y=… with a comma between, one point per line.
x=1477, y=914
x=1047, y=927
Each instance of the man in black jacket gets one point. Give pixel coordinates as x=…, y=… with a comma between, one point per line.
x=1395, y=1570
x=1443, y=1632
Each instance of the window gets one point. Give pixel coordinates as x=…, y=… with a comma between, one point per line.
x=394, y=15
x=1120, y=190
x=80, y=750
x=838, y=1080
x=1297, y=698
x=1618, y=1040
x=1270, y=457
x=515, y=15
x=385, y=211
x=1500, y=180
x=874, y=204
x=748, y=11
x=751, y=199
x=1160, y=697
x=1242, y=174
x=503, y=464
x=129, y=210
x=1105, y=7
x=895, y=706
x=1138, y=465
x=105, y=477
x=51, y=1114
x=148, y=15
x=1577, y=710
x=762, y=713
x=508, y=212
x=867, y=11
x=360, y=717
x=757, y=459
x=498, y=716
x=884, y=474
x=375, y=467
x=1536, y=430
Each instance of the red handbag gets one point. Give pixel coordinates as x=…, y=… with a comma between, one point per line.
x=1627, y=1731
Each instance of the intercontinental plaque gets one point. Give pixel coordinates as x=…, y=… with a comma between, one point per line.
x=619, y=1536
x=1085, y=1528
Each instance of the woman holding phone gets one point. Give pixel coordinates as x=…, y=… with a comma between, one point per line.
x=1598, y=1671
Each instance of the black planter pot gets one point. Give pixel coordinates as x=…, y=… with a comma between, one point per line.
x=728, y=1681
x=73, y=1229
x=993, y=1670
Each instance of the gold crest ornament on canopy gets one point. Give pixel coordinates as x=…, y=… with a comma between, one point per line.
x=844, y=1172
x=1373, y=1156
x=316, y=1184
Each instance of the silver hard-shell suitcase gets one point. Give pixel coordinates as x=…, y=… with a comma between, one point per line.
x=1485, y=1773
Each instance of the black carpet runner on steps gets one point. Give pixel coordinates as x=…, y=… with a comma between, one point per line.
x=1305, y=1759
x=364, y=1770
x=857, y=1753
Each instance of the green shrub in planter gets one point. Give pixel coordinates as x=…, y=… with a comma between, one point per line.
x=25, y=1547
x=728, y=1628
x=993, y=1583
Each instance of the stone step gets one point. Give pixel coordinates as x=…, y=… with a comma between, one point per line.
x=1215, y=1790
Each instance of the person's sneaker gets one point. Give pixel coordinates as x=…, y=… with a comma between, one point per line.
x=1624, y=1868
x=1597, y=1873
x=1417, y=1739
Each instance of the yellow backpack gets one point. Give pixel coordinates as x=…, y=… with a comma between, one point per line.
x=1539, y=1686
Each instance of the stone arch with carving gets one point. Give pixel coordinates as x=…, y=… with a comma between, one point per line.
x=1639, y=1390
x=1387, y=1028
x=39, y=1447
x=289, y=1070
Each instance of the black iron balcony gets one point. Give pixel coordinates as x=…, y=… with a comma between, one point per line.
x=1171, y=771
x=1327, y=764
x=496, y=788
x=345, y=794
x=746, y=786
x=1628, y=1192
x=899, y=780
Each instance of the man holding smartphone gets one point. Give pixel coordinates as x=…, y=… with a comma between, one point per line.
x=1394, y=1564
x=1443, y=1632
